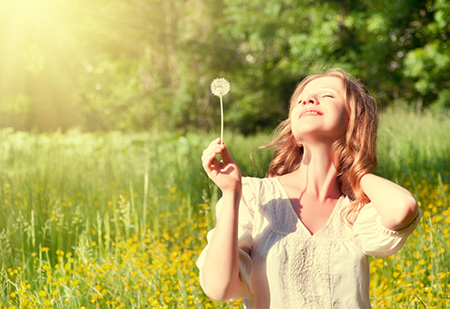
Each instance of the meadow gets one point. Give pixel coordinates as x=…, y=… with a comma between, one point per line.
x=116, y=220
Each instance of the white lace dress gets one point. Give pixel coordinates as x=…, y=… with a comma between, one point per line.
x=283, y=266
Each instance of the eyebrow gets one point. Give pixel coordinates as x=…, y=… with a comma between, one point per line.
x=328, y=89
x=320, y=90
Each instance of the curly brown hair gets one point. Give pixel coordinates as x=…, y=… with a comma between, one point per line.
x=355, y=151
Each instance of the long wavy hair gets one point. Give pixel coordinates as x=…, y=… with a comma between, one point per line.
x=355, y=151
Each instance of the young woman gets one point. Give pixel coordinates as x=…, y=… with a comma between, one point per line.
x=301, y=237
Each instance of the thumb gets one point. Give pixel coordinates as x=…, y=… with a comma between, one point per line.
x=225, y=154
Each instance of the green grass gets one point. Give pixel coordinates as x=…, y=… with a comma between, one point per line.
x=117, y=220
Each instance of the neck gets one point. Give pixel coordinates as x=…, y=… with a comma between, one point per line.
x=317, y=173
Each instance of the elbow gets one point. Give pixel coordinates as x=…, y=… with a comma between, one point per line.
x=220, y=291
x=405, y=214
x=411, y=209
x=217, y=293
x=214, y=291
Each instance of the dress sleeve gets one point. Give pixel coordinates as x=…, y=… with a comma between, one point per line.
x=245, y=239
x=376, y=240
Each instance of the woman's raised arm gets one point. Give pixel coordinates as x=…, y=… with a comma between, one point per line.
x=396, y=205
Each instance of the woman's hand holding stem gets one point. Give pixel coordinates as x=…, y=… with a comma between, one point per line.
x=221, y=269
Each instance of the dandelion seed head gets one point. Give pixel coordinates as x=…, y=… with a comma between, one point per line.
x=220, y=87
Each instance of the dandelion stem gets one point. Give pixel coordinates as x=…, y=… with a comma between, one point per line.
x=221, y=120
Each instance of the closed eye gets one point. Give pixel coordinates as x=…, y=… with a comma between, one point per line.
x=328, y=96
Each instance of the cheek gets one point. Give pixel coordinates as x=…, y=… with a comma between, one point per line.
x=293, y=116
x=345, y=117
x=295, y=111
x=344, y=120
x=295, y=126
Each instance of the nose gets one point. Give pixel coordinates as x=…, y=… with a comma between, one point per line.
x=310, y=100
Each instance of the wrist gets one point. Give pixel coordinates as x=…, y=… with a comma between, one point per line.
x=233, y=187
x=234, y=193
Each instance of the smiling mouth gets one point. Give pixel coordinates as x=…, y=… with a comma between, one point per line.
x=310, y=113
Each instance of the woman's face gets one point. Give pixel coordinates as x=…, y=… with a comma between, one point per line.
x=320, y=113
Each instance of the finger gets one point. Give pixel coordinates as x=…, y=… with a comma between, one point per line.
x=214, y=146
x=213, y=149
x=214, y=166
x=209, y=161
x=225, y=154
x=214, y=142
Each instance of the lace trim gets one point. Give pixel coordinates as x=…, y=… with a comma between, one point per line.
x=309, y=279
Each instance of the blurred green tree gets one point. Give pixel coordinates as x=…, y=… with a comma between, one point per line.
x=385, y=43
x=428, y=64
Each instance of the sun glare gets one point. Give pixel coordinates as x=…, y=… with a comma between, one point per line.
x=25, y=25
x=26, y=8
x=33, y=26
x=35, y=42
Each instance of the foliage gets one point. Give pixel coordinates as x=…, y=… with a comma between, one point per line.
x=147, y=64
x=116, y=220
x=283, y=41
x=429, y=64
